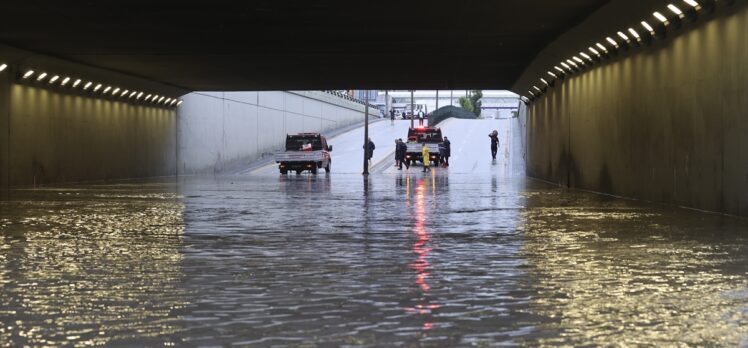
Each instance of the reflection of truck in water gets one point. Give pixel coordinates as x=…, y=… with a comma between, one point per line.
x=431, y=136
x=304, y=151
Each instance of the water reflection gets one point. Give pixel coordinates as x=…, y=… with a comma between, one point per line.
x=609, y=272
x=421, y=248
x=411, y=260
x=90, y=267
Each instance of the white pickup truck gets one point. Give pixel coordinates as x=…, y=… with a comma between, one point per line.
x=304, y=151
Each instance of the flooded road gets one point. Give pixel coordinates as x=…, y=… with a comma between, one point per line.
x=403, y=259
x=470, y=255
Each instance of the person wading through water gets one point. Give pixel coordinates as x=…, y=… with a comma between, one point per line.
x=494, y=143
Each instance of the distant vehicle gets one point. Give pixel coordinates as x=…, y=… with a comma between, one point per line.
x=431, y=136
x=416, y=108
x=304, y=151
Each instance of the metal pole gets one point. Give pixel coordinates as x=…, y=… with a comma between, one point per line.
x=412, y=107
x=387, y=103
x=366, y=137
x=451, y=97
x=437, y=100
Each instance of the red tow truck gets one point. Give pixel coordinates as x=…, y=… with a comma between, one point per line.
x=431, y=136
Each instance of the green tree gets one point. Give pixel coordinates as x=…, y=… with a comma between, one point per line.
x=475, y=97
x=473, y=102
x=466, y=104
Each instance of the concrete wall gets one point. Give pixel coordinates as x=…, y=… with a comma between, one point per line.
x=223, y=130
x=54, y=135
x=666, y=123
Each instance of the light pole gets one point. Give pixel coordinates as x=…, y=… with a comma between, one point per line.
x=412, y=108
x=366, y=135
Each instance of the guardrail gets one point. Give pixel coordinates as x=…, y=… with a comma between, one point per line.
x=349, y=98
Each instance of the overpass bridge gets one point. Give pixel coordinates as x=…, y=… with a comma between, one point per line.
x=136, y=208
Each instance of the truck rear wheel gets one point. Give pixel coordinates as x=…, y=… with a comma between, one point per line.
x=314, y=170
x=329, y=165
x=298, y=171
x=284, y=171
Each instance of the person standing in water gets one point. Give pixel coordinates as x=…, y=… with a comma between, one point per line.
x=494, y=143
x=426, y=158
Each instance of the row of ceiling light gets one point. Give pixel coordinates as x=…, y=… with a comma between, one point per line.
x=96, y=88
x=631, y=37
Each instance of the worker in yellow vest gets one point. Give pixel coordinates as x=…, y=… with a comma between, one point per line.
x=426, y=158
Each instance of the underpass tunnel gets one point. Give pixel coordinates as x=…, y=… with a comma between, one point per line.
x=142, y=202
x=640, y=100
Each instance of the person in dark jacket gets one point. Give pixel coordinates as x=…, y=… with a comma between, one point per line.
x=369, y=149
x=447, y=151
x=494, y=143
x=400, y=150
x=392, y=116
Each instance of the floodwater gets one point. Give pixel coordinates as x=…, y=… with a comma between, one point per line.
x=471, y=255
x=407, y=259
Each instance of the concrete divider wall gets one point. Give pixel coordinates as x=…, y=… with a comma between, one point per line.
x=223, y=130
x=667, y=123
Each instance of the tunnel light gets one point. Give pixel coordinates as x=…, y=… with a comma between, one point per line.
x=544, y=81
x=612, y=42
x=132, y=94
x=147, y=97
x=676, y=10
x=88, y=85
x=693, y=4
x=115, y=91
x=65, y=81
x=124, y=93
x=552, y=74
x=3, y=67
x=154, y=98
x=41, y=76
x=54, y=78
x=603, y=48
x=586, y=56
x=97, y=87
x=161, y=99
x=594, y=51
x=571, y=62
x=648, y=27
x=531, y=93
x=623, y=36
x=106, y=90
x=559, y=70
x=174, y=102
x=567, y=66
x=167, y=101
x=76, y=83
x=28, y=74
x=634, y=33
x=179, y=102
x=660, y=17
x=578, y=60
x=140, y=94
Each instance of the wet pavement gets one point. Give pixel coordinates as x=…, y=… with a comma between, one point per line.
x=455, y=257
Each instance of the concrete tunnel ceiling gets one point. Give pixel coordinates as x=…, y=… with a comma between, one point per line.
x=283, y=45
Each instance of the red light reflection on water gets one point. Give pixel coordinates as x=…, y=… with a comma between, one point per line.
x=421, y=265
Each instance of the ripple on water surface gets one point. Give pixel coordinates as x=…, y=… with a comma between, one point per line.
x=406, y=259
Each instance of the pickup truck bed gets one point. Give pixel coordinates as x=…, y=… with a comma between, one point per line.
x=417, y=148
x=299, y=156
